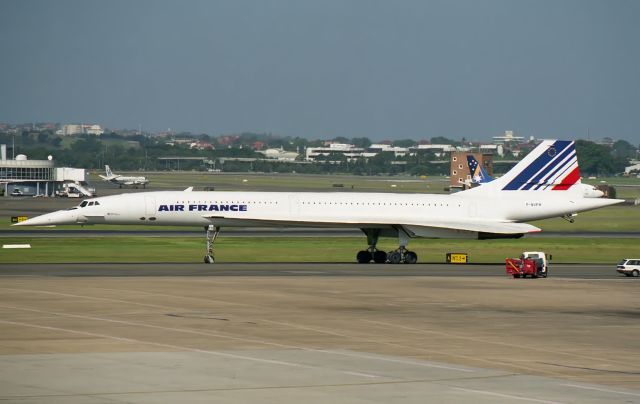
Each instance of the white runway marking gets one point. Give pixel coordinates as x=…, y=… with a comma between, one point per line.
x=351, y=337
x=208, y=300
x=184, y=348
x=264, y=342
x=251, y=340
x=603, y=390
x=404, y=362
x=464, y=337
x=509, y=396
x=105, y=299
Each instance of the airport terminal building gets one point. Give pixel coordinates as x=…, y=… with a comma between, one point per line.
x=24, y=177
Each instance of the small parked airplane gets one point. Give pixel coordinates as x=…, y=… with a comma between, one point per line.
x=123, y=180
x=480, y=176
x=546, y=183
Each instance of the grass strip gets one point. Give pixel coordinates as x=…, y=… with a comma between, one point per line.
x=306, y=249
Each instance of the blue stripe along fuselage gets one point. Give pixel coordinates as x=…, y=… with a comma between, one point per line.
x=537, y=165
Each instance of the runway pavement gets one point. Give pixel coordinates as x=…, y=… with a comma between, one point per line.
x=316, y=333
x=571, y=271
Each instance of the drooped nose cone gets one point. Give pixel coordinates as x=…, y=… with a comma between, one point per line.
x=589, y=191
x=592, y=192
x=50, y=219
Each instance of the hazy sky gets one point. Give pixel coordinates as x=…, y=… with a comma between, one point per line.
x=382, y=69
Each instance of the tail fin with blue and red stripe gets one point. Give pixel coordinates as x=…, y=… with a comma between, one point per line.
x=551, y=166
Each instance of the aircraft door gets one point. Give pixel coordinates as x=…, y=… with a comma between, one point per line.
x=149, y=206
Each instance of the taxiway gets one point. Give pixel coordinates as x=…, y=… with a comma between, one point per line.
x=316, y=333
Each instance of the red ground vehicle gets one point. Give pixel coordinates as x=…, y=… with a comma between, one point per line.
x=531, y=263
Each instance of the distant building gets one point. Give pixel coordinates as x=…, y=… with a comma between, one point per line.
x=70, y=130
x=633, y=168
x=508, y=137
x=352, y=152
x=228, y=140
x=492, y=149
x=459, y=173
x=36, y=177
x=383, y=147
x=348, y=150
x=258, y=145
x=93, y=130
x=79, y=129
x=440, y=150
x=201, y=145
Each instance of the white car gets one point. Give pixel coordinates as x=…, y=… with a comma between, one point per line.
x=629, y=266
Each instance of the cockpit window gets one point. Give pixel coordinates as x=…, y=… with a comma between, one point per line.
x=97, y=203
x=83, y=204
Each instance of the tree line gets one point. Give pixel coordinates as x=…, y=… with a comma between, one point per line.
x=141, y=152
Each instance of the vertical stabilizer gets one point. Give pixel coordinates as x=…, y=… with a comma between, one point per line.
x=551, y=166
x=478, y=174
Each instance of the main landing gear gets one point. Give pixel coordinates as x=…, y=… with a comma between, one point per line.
x=212, y=233
x=399, y=256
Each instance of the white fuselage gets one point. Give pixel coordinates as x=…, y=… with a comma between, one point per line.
x=318, y=209
x=122, y=180
x=546, y=183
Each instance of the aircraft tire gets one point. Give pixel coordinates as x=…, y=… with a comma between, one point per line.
x=394, y=257
x=379, y=257
x=410, y=257
x=208, y=259
x=363, y=257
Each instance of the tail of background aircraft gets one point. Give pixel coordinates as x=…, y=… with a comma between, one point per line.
x=551, y=166
x=478, y=174
x=109, y=175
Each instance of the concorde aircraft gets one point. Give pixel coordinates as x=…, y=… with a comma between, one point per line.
x=546, y=183
x=480, y=176
x=121, y=180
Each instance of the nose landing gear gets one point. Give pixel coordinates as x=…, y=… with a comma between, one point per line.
x=212, y=233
